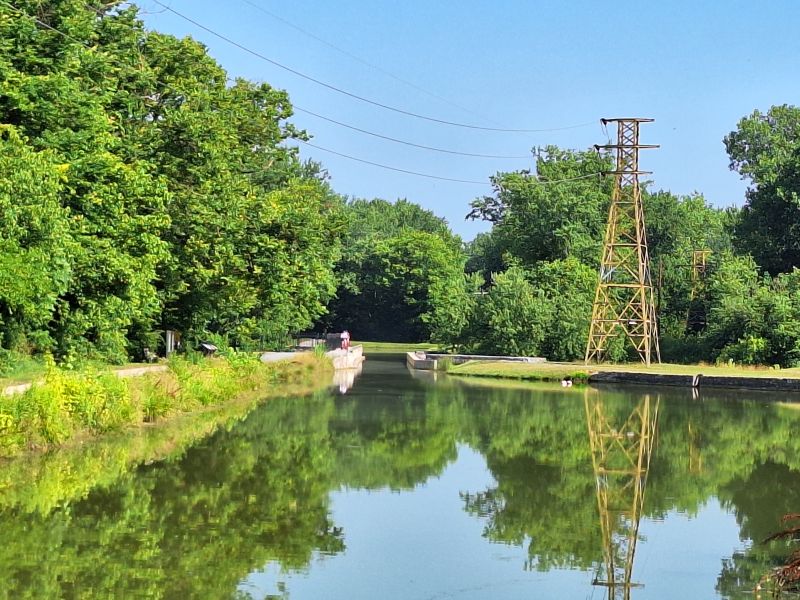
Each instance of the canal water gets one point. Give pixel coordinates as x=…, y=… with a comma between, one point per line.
x=413, y=487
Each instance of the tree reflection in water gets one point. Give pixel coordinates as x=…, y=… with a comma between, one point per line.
x=198, y=522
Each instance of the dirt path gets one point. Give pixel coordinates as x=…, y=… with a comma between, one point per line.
x=19, y=388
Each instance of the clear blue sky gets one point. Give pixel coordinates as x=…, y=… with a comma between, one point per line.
x=696, y=67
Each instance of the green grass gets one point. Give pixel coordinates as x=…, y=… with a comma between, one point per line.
x=580, y=372
x=71, y=404
x=517, y=370
x=42, y=481
x=19, y=368
x=394, y=347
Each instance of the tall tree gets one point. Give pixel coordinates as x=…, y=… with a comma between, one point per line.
x=35, y=239
x=185, y=207
x=399, y=259
x=765, y=149
x=555, y=213
x=55, y=90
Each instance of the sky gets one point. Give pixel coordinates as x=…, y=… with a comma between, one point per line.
x=697, y=68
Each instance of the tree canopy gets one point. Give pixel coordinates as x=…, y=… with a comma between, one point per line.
x=144, y=190
x=765, y=149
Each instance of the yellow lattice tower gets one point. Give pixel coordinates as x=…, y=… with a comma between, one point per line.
x=623, y=303
x=695, y=315
x=699, y=266
x=621, y=450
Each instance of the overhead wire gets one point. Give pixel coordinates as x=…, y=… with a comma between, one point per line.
x=339, y=90
x=317, y=115
x=382, y=136
x=374, y=164
x=407, y=143
x=473, y=181
x=341, y=154
x=359, y=59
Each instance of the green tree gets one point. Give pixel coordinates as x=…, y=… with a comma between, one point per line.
x=452, y=315
x=556, y=213
x=512, y=317
x=485, y=255
x=35, y=239
x=765, y=149
x=568, y=286
x=399, y=260
x=56, y=92
x=753, y=319
x=185, y=208
x=382, y=219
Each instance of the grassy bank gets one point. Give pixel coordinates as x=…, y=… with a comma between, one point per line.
x=67, y=406
x=395, y=347
x=38, y=482
x=580, y=373
x=526, y=371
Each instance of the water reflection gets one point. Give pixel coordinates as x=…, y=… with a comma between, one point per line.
x=621, y=446
x=257, y=494
x=345, y=379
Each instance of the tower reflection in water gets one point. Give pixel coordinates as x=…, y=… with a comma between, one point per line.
x=621, y=445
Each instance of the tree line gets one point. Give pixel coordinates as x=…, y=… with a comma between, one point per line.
x=142, y=190
x=528, y=284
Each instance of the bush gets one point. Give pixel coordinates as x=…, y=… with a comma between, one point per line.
x=69, y=402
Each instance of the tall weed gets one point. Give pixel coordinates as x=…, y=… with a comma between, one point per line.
x=68, y=402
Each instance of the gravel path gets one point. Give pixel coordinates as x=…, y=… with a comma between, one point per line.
x=126, y=372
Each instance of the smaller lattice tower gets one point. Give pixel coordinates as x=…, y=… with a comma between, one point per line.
x=696, y=313
x=624, y=304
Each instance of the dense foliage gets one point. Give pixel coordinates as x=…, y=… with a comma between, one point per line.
x=765, y=149
x=68, y=403
x=539, y=262
x=141, y=190
x=398, y=258
x=529, y=283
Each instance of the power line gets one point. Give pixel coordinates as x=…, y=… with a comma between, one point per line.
x=319, y=116
x=391, y=139
x=359, y=59
x=429, y=176
x=374, y=164
x=372, y=133
x=352, y=95
x=361, y=160
x=77, y=41
x=352, y=127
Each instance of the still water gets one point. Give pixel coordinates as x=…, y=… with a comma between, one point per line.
x=422, y=488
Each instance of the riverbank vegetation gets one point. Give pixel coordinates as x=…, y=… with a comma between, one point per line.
x=68, y=405
x=527, y=285
x=142, y=191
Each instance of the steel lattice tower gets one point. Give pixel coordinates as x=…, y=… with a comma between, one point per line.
x=696, y=313
x=621, y=449
x=623, y=303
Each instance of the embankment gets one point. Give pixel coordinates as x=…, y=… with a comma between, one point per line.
x=69, y=407
x=689, y=376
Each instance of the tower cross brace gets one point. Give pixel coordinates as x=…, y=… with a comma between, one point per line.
x=624, y=304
